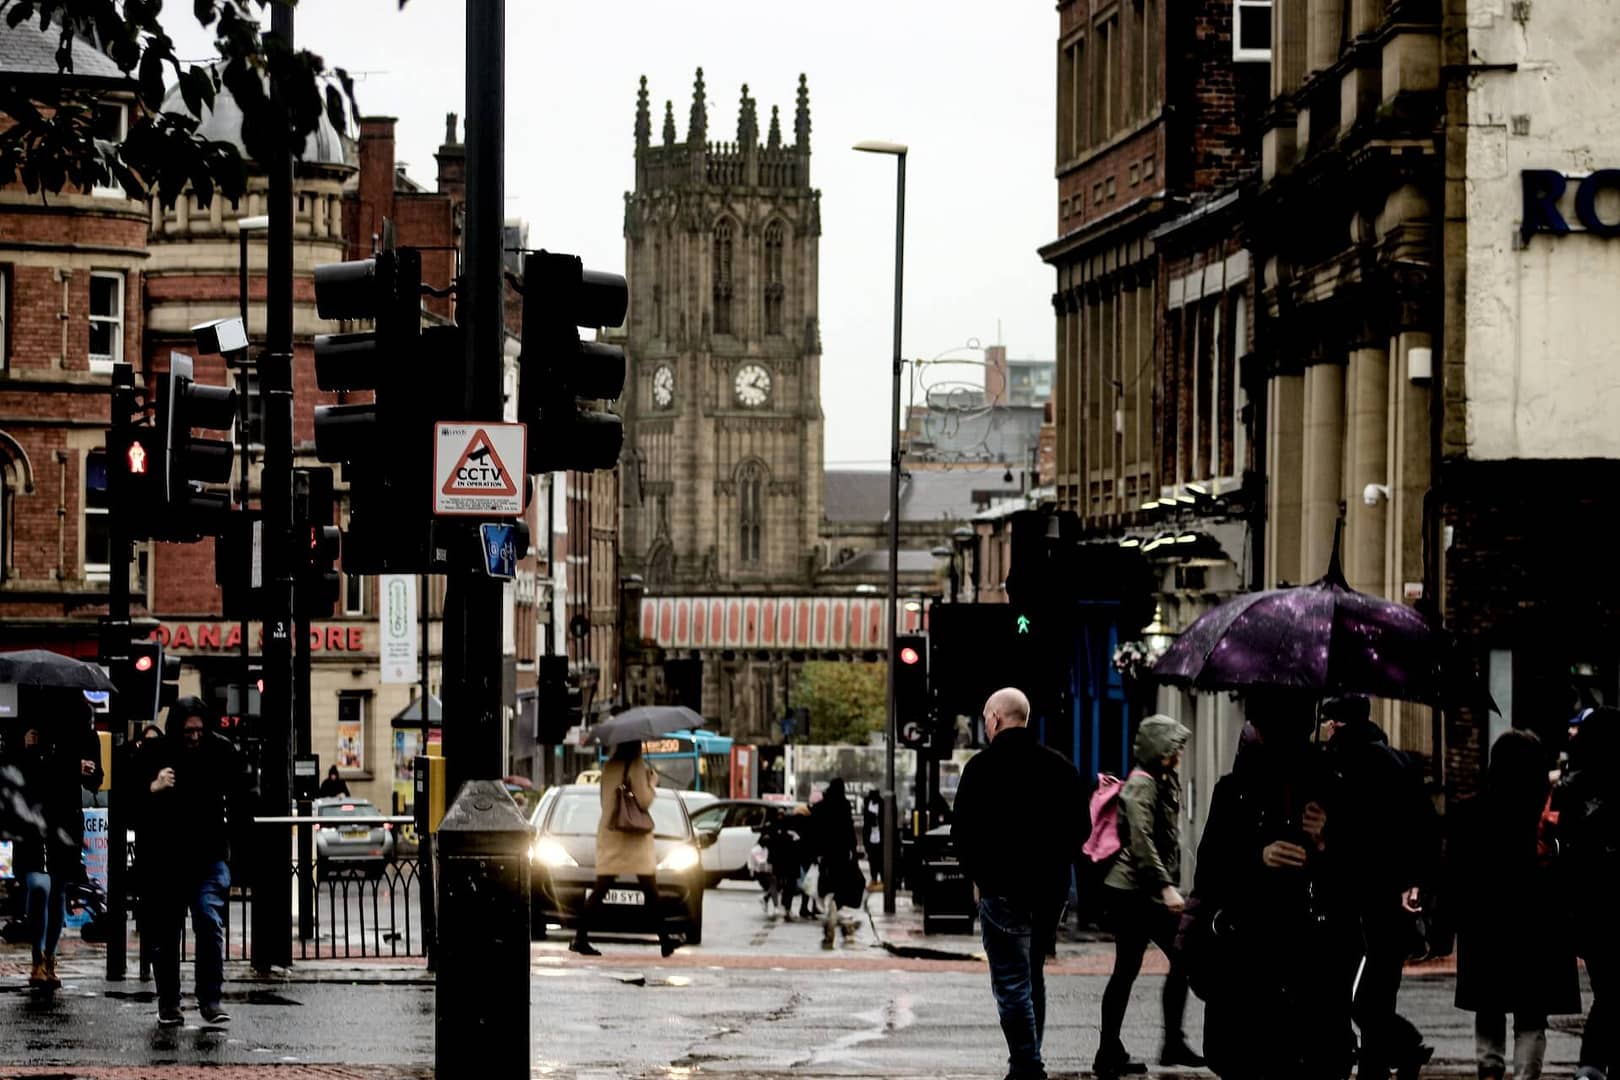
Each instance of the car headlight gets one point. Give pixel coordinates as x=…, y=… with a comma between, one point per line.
x=680, y=857
x=548, y=852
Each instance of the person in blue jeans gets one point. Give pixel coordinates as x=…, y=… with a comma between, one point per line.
x=194, y=791
x=1012, y=829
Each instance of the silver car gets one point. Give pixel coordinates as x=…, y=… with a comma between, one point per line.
x=342, y=848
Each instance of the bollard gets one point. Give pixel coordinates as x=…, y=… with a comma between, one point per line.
x=481, y=994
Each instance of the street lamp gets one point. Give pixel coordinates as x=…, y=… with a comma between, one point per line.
x=244, y=226
x=890, y=834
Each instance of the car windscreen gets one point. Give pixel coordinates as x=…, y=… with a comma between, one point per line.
x=349, y=809
x=577, y=814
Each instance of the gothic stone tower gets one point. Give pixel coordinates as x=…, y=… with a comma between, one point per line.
x=723, y=468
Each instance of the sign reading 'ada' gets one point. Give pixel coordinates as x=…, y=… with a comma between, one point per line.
x=478, y=468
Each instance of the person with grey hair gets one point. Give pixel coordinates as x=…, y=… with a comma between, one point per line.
x=1016, y=806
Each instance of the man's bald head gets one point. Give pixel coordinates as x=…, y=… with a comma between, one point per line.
x=1007, y=708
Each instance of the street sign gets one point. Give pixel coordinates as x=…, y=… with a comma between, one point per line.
x=500, y=550
x=477, y=468
x=396, y=625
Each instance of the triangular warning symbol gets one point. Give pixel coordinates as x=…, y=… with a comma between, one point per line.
x=480, y=470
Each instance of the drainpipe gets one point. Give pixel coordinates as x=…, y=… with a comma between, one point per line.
x=61, y=513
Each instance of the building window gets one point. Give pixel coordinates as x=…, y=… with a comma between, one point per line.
x=722, y=278
x=1240, y=397
x=750, y=512
x=351, y=731
x=774, y=289
x=97, y=559
x=658, y=289
x=354, y=594
x=1071, y=100
x=106, y=320
x=5, y=317
x=247, y=386
x=111, y=124
x=1251, y=30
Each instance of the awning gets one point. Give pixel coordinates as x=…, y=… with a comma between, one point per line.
x=411, y=715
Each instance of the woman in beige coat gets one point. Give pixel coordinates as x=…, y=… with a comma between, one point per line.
x=623, y=854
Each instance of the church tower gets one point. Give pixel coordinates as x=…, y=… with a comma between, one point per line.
x=722, y=411
x=722, y=465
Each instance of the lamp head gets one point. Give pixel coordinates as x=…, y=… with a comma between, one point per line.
x=878, y=146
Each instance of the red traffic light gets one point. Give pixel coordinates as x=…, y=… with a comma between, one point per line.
x=908, y=655
x=137, y=458
x=143, y=663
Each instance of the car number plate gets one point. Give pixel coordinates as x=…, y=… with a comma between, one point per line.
x=626, y=896
x=356, y=834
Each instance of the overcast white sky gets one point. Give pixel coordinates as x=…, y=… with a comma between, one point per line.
x=967, y=84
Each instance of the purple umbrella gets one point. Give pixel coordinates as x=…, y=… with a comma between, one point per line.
x=1325, y=638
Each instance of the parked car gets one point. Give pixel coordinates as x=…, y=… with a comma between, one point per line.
x=562, y=858
x=735, y=825
x=340, y=848
x=697, y=800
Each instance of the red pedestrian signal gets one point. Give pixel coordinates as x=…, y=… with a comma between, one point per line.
x=143, y=663
x=137, y=458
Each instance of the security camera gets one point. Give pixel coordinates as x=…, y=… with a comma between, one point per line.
x=220, y=336
x=1373, y=492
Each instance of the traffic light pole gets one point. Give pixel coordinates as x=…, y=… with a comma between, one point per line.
x=272, y=894
x=114, y=652
x=473, y=600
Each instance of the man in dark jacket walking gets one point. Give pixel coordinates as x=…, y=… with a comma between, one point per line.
x=1589, y=840
x=1387, y=835
x=194, y=795
x=1012, y=828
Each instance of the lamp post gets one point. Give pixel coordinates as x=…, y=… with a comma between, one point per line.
x=890, y=834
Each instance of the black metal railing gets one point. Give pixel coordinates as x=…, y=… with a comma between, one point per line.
x=352, y=914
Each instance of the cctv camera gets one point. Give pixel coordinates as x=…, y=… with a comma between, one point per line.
x=220, y=336
x=1373, y=492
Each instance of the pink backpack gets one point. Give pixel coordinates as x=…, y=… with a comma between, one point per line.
x=1103, y=844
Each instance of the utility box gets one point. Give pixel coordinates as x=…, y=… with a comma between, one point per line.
x=481, y=1001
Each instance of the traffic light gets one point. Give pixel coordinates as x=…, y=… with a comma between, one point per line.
x=190, y=463
x=138, y=681
x=168, y=679
x=384, y=445
x=913, y=712
x=560, y=375
x=558, y=706
x=316, y=581
x=239, y=565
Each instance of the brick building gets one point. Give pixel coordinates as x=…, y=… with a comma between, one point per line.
x=72, y=274
x=1157, y=146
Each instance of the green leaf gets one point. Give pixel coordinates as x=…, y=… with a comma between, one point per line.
x=151, y=79
x=19, y=13
x=206, y=11
x=334, y=108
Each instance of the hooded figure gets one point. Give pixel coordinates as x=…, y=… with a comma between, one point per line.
x=1144, y=902
x=838, y=877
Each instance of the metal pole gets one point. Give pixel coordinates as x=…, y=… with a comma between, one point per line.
x=246, y=649
x=548, y=764
x=272, y=896
x=890, y=832
x=472, y=617
x=114, y=652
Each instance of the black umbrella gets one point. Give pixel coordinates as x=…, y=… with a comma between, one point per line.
x=644, y=722
x=40, y=667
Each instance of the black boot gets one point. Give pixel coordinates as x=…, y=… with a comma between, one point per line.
x=1113, y=1061
x=1177, y=1052
x=583, y=947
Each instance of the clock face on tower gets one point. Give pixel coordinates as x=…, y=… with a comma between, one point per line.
x=663, y=386
x=753, y=385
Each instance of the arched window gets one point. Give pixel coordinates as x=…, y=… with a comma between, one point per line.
x=722, y=278
x=774, y=289
x=661, y=564
x=750, y=513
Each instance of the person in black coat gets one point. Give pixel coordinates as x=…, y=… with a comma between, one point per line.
x=1014, y=834
x=194, y=794
x=1514, y=954
x=1589, y=849
x=1386, y=839
x=838, y=875
x=1269, y=925
x=58, y=759
x=334, y=785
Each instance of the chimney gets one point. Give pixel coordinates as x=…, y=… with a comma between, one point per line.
x=452, y=159
x=995, y=375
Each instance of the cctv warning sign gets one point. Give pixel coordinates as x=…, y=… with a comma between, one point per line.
x=478, y=469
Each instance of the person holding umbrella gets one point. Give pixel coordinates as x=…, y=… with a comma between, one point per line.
x=621, y=852
x=58, y=758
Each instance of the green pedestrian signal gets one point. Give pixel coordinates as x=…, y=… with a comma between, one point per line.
x=1023, y=624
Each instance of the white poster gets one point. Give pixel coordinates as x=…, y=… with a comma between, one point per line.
x=397, y=629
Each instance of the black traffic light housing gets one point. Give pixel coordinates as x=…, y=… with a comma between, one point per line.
x=913, y=712
x=316, y=584
x=135, y=465
x=384, y=445
x=560, y=375
x=558, y=705
x=237, y=572
x=138, y=680
x=192, y=463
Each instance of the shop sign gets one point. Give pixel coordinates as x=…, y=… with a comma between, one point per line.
x=1543, y=189
x=224, y=637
